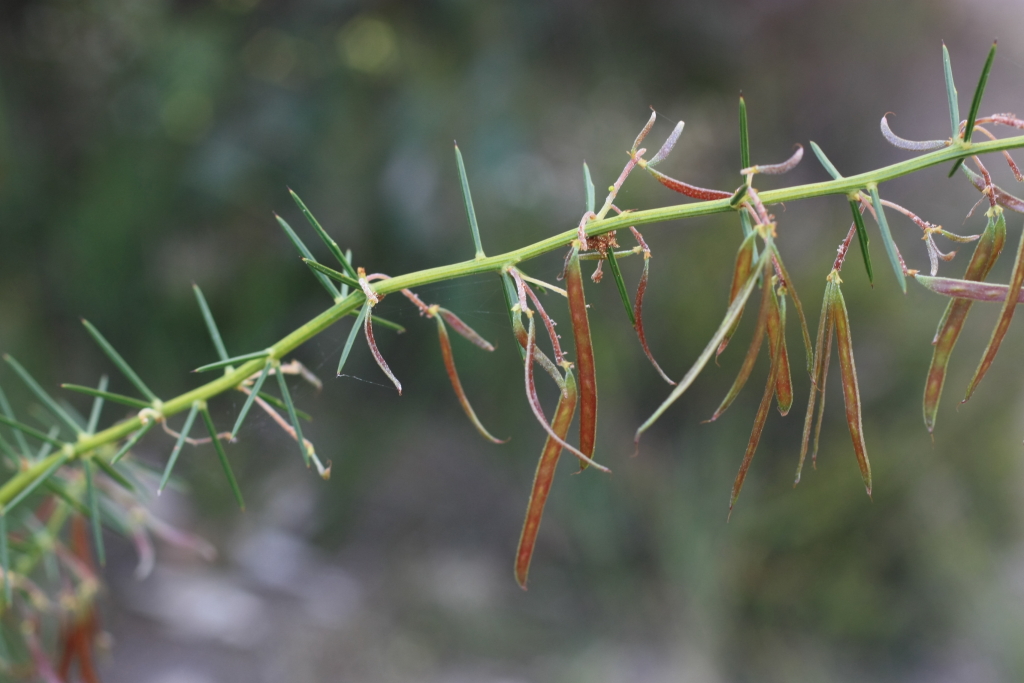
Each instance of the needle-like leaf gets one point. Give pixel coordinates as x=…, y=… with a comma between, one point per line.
x=824, y=161
x=453, y=377
x=324, y=281
x=730, y=317
x=5, y=558
x=327, y=239
x=118, y=361
x=97, y=406
x=862, y=238
x=985, y=255
x=44, y=398
x=1005, y=315
x=5, y=408
x=542, y=479
x=211, y=324
x=296, y=425
x=979, y=92
x=130, y=443
x=93, y=497
x=851, y=392
x=584, y=353
x=106, y=395
x=58, y=460
x=588, y=185
x=114, y=474
x=744, y=135
x=468, y=198
x=352, y=334
x=223, y=457
x=620, y=284
x=177, y=447
x=890, y=246
x=249, y=400
x=237, y=360
x=954, y=106
x=34, y=433
x=320, y=269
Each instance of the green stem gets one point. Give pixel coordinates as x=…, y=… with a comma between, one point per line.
x=842, y=186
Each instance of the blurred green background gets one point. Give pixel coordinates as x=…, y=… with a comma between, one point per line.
x=144, y=145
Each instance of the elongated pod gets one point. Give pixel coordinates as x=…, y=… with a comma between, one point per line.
x=584, y=353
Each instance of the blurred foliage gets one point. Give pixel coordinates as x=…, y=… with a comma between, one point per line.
x=145, y=143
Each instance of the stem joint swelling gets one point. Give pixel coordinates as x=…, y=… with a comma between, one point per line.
x=58, y=464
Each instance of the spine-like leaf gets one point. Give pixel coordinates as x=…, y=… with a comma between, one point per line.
x=327, y=239
x=851, y=392
x=954, y=106
x=223, y=457
x=1005, y=316
x=702, y=360
x=43, y=396
x=249, y=399
x=107, y=395
x=292, y=417
x=470, y=211
x=890, y=246
x=58, y=460
x=542, y=479
x=130, y=443
x=93, y=497
x=862, y=238
x=588, y=186
x=352, y=334
x=620, y=284
x=172, y=461
x=985, y=255
x=744, y=135
x=824, y=161
x=114, y=474
x=237, y=360
x=453, y=377
x=324, y=281
x=8, y=412
x=118, y=361
x=584, y=353
x=29, y=431
x=97, y=406
x=211, y=324
x=979, y=92
x=320, y=269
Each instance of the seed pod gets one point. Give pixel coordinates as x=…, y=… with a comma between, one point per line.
x=1005, y=315
x=752, y=352
x=539, y=357
x=453, y=376
x=538, y=411
x=465, y=330
x=851, y=392
x=966, y=289
x=584, y=353
x=985, y=255
x=818, y=373
x=740, y=273
x=377, y=356
x=542, y=479
x=780, y=356
x=755, y=433
x=685, y=188
x=780, y=270
x=638, y=317
x=1003, y=198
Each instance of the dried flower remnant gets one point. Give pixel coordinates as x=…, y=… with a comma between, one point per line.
x=777, y=169
x=543, y=477
x=914, y=145
x=985, y=255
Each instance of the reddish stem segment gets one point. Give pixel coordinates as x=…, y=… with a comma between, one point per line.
x=542, y=479
x=985, y=255
x=584, y=353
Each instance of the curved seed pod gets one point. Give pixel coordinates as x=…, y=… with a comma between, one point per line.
x=702, y=360
x=759, y=420
x=453, y=376
x=780, y=270
x=643, y=134
x=584, y=353
x=915, y=145
x=1005, y=315
x=542, y=479
x=539, y=357
x=638, y=317
x=685, y=188
x=818, y=373
x=780, y=356
x=549, y=324
x=778, y=169
x=740, y=273
x=465, y=330
x=752, y=352
x=377, y=356
x=1003, y=198
x=538, y=411
x=851, y=392
x=985, y=254
x=666, y=148
x=966, y=289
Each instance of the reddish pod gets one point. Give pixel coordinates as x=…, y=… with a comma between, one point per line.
x=584, y=352
x=638, y=307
